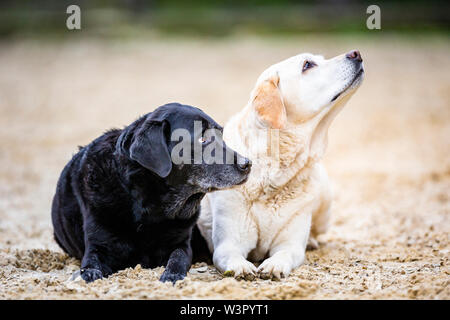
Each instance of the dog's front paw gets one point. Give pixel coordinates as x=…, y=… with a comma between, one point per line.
x=274, y=269
x=90, y=275
x=241, y=269
x=172, y=277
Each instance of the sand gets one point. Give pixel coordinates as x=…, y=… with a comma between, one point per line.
x=388, y=159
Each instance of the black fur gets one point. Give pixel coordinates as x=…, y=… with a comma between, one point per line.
x=121, y=201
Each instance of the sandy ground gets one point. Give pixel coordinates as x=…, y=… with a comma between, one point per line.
x=388, y=158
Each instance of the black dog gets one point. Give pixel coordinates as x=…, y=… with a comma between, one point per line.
x=122, y=201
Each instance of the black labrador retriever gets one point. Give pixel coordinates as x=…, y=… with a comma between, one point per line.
x=122, y=200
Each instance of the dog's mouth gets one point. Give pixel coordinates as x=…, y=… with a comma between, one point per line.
x=230, y=186
x=243, y=180
x=350, y=85
x=196, y=197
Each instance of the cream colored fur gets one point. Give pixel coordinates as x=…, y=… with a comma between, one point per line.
x=286, y=201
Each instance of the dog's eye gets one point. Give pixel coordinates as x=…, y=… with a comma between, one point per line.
x=308, y=65
x=203, y=140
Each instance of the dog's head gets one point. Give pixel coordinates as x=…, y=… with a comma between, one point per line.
x=303, y=94
x=183, y=145
x=299, y=88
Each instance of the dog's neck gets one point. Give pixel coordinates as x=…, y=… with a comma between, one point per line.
x=180, y=206
x=278, y=156
x=174, y=204
x=176, y=201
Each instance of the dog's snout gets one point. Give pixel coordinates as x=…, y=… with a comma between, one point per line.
x=354, y=55
x=245, y=166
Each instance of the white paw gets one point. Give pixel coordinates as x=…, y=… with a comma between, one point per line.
x=240, y=268
x=274, y=268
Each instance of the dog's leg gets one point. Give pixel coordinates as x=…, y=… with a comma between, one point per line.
x=288, y=251
x=320, y=221
x=234, y=236
x=94, y=263
x=319, y=225
x=229, y=258
x=321, y=217
x=178, y=265
x=91, y=268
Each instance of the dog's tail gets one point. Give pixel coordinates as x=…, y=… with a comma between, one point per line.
x=200, y=250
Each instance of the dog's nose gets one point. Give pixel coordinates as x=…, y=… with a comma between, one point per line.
x=354, y=55
x=246, y=166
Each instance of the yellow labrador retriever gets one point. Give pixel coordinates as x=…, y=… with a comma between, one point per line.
x=286, y=201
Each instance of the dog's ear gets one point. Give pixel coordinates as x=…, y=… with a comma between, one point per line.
x=268, y=104
x=148, y=146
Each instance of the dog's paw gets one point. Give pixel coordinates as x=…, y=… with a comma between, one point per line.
x=90, y=275
x=274, y=269
x=172, y=277
x=313, y=244
x=241, y=269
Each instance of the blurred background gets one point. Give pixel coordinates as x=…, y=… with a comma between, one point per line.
x=216, y=18
x=389, y=149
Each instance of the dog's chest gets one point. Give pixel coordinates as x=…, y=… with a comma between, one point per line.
x=269, y=222
x=272, y=215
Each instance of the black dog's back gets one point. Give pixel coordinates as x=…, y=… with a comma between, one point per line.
x=66, y=215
